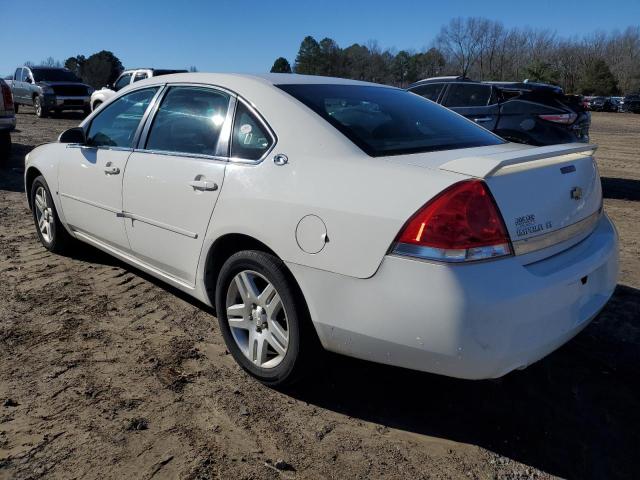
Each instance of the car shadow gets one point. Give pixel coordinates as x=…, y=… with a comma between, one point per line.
x=621, y=188
x=573, y=414
x=12, y=169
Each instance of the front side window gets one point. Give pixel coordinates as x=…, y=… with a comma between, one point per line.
x=189, y=120
x=122, y=82
x=250, y=138
x=468, y=95
x=430, y=91
x=387, y=121
x=116, y=125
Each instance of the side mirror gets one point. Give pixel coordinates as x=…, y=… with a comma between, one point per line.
x=73, y=135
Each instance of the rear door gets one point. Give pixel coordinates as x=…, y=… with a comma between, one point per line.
x=172, y=181
x=475, y=101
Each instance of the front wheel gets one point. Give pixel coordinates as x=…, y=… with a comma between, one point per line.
x=264, y=319
x=41, y=111
x=52, y=234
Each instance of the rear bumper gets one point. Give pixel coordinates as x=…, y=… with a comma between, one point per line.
x=7, y=123
x=469, y=321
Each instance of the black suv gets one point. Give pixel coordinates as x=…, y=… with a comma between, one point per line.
x=602, y=104
x=630, y=103
x=523, y=112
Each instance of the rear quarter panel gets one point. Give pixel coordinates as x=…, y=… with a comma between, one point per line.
x=363, y=202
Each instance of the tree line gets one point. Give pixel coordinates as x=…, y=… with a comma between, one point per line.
x=595, y=64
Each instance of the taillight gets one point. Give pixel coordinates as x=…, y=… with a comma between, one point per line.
x=7, y=97
x=461, y=224
x=564, y=118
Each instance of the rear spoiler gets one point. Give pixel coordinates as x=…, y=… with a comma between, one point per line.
x=486, y=165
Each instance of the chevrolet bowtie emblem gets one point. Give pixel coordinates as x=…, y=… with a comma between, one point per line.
x=576, y=193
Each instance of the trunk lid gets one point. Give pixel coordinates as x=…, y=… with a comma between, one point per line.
x=547, y=195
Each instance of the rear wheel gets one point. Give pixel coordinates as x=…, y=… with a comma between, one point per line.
x=51, y=232
x=15, y=107
x=41, y=111
x=263, y=319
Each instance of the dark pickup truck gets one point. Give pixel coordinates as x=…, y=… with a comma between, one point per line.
x=49, y=89
x=523, y=112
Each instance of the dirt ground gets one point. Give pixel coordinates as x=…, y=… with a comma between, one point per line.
x=106, y=373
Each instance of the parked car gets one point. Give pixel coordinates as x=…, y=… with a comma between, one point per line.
x=602, y=104
x=7, y=119
x=49, y=89
x=319, y=211
x=124, y=79
x=523, y=112
x=630, y=103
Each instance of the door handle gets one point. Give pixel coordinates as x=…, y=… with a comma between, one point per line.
x=109, y=170
x=203, y=185
x=482, y=119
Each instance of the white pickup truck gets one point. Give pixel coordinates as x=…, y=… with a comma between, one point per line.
x=126, y=78
x=7, y=119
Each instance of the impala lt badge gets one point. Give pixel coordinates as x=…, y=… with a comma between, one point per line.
x=576, y=193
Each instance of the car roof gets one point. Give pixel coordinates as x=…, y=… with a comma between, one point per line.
x=228, y=79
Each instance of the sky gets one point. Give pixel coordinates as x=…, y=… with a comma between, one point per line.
x=248, y=35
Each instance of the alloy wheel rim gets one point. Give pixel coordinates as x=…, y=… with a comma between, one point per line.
x=44, y=214
x=257, y=319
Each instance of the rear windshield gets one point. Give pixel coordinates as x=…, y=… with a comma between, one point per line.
x=53, y=75
x=388, y=121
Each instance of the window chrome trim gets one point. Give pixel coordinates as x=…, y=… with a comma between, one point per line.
x=168, y=153
x=268, y=129
x=102, y=147
x=145, y=116
x=578, y=231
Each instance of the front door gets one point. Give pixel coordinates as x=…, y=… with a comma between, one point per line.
x=91, y=175
x=172, y=183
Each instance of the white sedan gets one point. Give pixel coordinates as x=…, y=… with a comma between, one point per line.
x=318, y=212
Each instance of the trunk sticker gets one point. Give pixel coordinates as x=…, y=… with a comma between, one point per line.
x=527, y=224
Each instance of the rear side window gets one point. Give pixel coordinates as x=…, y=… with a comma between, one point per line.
x=140, y=76
x=122, y=82
x=18, y=75
x=430, y=91
x=250, y=138
x=116, y=124
x=387, y=121
x=189, y=120
x=468, y=95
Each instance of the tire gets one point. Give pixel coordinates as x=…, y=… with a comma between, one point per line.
x=5, y=146
x=54, y=237
x=96, y=104
x=281, y=328
x=15, y=107
x=41, y=111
